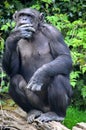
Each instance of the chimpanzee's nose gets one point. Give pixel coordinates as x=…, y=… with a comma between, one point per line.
x=24, y=19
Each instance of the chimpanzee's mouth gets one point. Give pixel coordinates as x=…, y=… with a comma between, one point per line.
x=25, y=25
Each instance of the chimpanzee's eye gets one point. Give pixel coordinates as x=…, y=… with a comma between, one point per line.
x=31, y=18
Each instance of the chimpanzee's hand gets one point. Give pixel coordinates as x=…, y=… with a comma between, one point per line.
x=38, y=80
x=23, y=31
x=26, y=30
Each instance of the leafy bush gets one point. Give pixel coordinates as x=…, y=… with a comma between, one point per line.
x=6, y=25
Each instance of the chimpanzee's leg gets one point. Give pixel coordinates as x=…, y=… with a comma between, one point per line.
x=59, y=95
x=17, y=93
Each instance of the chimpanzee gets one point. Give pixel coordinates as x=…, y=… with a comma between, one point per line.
x=38, y=63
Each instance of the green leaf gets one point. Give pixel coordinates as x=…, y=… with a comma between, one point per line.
x=83, y=92
x=47, y=1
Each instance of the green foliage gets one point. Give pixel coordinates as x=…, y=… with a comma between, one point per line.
x=73, y=117
x=4, y=87
x=69, y=17
x=47, y=1
x=5, y=27
x=1, y=44
x=2, y=103
x=3, y=84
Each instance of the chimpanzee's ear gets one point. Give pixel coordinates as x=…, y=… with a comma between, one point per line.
x=41, y=17
x=15, y=16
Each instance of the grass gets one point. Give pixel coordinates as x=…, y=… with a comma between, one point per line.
x=73, y=117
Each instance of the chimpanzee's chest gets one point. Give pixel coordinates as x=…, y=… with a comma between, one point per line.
x=35, y=48
x=34, y=52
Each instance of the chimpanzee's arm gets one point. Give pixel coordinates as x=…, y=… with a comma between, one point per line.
x=62, y=63
x=11, y=56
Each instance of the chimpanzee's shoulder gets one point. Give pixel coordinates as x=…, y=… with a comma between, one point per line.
x=51, y=30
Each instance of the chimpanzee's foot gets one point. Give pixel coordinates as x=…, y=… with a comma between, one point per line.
x=49, y=116
x=32, y=115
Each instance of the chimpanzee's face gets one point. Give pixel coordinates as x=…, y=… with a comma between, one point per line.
x=27, y=17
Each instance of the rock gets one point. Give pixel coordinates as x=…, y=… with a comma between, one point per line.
x=76, y=128
x=16, y=120
x=80, y=126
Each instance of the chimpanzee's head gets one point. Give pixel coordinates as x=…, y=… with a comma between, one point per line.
x=28, y=17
